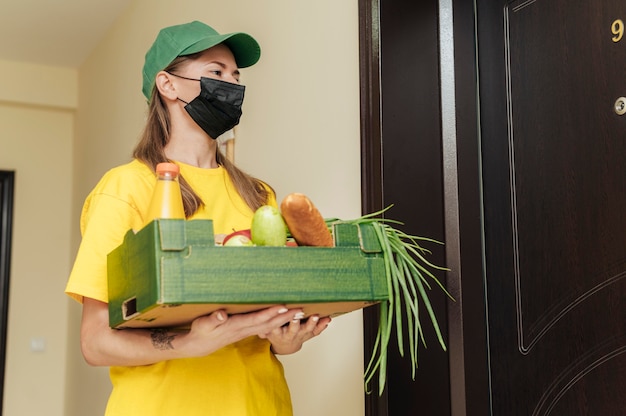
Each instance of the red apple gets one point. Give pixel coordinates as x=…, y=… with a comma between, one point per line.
x=238, y=238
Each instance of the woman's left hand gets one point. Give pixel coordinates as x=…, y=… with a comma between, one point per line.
x=290, y=337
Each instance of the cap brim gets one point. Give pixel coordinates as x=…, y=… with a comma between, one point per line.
x=244, y=47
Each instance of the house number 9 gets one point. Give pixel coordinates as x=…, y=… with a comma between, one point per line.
x=618, y=30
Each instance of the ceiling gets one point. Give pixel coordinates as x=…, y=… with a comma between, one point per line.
x=54, y=32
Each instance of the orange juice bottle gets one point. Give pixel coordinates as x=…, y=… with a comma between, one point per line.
x=166, y=200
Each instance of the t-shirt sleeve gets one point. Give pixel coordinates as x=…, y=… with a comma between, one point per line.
x=108, y=214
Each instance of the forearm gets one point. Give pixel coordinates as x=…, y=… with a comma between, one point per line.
x=132, y=347
x=103, y=346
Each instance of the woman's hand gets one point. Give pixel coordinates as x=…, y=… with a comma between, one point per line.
x=205, y=333
x=103, y=346
x=289, y=338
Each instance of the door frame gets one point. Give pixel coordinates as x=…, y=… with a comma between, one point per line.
x=371, y=165
x=460, y=139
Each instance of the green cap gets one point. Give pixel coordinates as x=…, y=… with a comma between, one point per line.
x=190, y=38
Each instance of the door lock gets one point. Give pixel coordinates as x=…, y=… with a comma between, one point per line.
x=620, y=106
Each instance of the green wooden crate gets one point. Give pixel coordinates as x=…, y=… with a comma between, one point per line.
x=171, y=272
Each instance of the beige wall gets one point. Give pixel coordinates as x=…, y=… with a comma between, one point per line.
x=36, y=135
x=300, y=132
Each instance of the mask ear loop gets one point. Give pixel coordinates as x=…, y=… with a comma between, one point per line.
x=182, y=77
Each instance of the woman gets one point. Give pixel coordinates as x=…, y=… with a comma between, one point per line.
x=224, y=365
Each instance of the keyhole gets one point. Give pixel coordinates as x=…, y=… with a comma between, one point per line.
x=620, y=106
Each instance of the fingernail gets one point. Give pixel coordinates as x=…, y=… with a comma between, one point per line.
x=282, y=310
x=315, y=318
x=299, y=315
x=220, y=316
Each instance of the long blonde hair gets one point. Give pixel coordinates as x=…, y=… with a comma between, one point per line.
x=151, y=151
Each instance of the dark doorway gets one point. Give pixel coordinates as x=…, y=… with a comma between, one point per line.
x=7, y=179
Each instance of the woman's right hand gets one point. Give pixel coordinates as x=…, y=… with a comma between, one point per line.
x=104, y=346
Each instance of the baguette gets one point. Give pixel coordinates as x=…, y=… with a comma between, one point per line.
x=306, y=224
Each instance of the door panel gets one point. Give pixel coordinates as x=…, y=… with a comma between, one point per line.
x=556, y=253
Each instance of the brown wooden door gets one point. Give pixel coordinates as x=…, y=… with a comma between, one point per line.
x=542, y=200
x=555, y=211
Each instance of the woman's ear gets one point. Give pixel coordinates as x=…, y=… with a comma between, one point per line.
x=165, y=86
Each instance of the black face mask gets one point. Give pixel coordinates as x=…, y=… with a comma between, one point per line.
x=218, y=107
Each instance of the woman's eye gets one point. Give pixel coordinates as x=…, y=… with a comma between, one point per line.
x=217, y=72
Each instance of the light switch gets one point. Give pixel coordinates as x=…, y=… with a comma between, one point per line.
x=37, y=344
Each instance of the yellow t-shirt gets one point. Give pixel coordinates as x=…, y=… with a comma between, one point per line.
x=244, y=378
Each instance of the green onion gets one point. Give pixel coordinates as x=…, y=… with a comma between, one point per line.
x=409, y=275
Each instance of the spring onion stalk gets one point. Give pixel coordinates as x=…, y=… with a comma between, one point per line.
x=409, y=277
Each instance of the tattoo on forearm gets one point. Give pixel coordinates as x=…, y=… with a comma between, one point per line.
x=161, y=339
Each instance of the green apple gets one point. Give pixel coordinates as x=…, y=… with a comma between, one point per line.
x=268, y=227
